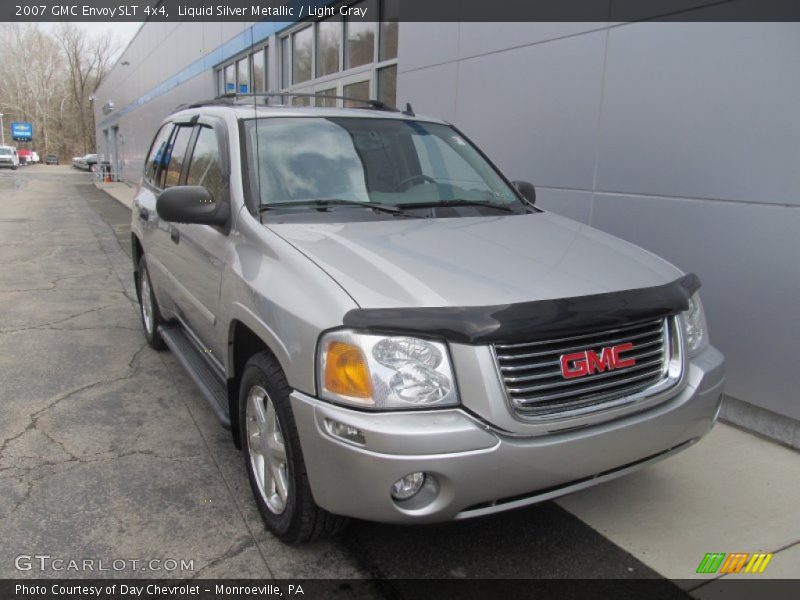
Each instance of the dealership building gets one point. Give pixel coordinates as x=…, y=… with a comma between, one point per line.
x=681, y=137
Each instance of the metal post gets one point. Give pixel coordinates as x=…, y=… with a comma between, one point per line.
x=2, y=131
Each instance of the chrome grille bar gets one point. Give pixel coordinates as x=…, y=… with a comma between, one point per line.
x=550, y=363
x=562, y=382
x=618, y=340
x=536, y=387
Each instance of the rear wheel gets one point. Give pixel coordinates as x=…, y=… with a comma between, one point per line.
x=274, y=459
x=148, y=308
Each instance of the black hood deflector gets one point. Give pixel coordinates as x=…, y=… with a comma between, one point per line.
x=529, y=321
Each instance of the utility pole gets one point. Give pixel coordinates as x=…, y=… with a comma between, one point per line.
x=2, y=131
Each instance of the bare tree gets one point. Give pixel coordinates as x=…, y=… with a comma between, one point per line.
x=30, y=79
x=48, y=79
x=87, y=60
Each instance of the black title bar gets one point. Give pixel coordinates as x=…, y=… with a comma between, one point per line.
x=600, y=11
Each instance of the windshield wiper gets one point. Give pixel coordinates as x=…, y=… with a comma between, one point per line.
x=457, y=202
x=323, y=202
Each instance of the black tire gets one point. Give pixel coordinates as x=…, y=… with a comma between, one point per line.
x=301, y=520
x=145, y=290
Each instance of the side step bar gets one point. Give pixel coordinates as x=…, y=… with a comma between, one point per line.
x=202, y=373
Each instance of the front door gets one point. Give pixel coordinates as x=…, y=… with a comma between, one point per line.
x=199, y=251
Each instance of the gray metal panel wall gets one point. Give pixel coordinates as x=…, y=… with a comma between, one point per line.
x=683, y=138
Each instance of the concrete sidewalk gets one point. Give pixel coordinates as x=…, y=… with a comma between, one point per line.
x=121, y=191
x=732, y=492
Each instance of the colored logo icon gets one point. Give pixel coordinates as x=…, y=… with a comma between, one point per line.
x=735, y=562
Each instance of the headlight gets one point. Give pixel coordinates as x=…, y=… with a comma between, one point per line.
x=385, y=372
x=694, y=326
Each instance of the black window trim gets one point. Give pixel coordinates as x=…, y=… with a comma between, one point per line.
x=152, y=183
x=218, y=126
x=189, y=147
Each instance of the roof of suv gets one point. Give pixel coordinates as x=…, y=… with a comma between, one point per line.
x=248, y=111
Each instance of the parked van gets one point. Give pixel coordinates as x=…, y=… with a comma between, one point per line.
x=9, y=157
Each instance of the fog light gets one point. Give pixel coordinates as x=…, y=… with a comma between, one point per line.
x=406, y=487
x=348, y=433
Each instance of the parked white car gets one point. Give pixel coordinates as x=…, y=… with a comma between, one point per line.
x=9, y=157
x=85, y=163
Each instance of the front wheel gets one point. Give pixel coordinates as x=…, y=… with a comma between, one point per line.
x=148, y=308
x=273, y=457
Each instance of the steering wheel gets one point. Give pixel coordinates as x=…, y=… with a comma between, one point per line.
x=406, y=183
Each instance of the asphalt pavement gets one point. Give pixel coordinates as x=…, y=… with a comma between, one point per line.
x=108, y=451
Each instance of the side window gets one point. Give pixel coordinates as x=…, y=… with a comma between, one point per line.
x=205, y=168
x=158, y=152
x=177, y=153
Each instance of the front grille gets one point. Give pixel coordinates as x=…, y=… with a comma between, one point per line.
x=536, y=388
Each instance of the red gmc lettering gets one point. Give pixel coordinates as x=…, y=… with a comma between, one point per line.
x=621, y=363
x=579, y=367
x=581, y=364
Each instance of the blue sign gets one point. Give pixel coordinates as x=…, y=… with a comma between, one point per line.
x=242, y=88
x=22, y=132
x=230, y=87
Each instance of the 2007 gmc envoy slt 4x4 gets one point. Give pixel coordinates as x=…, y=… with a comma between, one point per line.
x=392, y=330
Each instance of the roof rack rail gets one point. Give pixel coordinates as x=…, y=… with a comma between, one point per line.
x=371, y=103
x=218, y=101
x=235, y=98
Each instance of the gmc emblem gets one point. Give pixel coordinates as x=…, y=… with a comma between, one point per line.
x=581, y=364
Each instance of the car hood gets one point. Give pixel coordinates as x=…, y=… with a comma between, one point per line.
x=474, y=261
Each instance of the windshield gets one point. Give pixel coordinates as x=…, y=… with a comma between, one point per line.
x=385, y=161
x=6, y=151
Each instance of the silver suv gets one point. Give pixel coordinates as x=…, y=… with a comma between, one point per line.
x=392, y=330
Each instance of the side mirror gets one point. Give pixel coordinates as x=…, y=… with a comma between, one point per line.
x=527, y=190
x=191, y=204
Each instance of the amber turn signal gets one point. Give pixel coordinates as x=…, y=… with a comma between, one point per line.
x=346, y=371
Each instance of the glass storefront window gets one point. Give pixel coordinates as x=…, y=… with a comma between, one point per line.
x=358, y=90
x=387, y=85
x=243, y=75
x=230, y=78
x=390, y=14
x=260, y=70
x=360, y=34
x=329, y=36
x=327, y=102
x=302, y=55
x=286, y=65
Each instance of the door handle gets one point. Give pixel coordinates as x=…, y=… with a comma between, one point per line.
x=174, y=235
x=144, y=214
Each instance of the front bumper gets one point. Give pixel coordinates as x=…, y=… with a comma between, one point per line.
x=479, y=470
